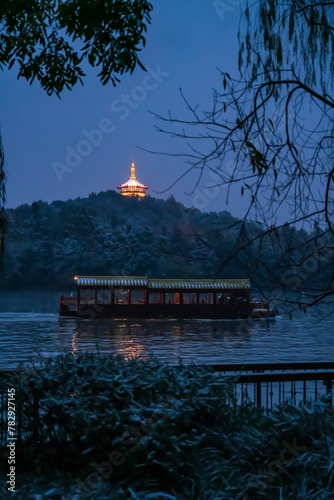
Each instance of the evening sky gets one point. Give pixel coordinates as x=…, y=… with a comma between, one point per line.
x=186, y=44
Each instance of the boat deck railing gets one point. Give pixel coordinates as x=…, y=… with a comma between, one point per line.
x=68, y=301
x=260, y=306
x=73, y=301
x=264, y=385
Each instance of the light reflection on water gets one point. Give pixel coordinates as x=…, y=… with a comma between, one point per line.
x=30, y=327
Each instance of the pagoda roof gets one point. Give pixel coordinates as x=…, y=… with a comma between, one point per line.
x=133, y=182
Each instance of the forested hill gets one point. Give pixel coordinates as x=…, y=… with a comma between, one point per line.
x=107, y=234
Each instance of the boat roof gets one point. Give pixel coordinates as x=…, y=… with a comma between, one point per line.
x=188, y=284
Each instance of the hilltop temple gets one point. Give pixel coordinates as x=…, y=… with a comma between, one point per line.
x=133, y=187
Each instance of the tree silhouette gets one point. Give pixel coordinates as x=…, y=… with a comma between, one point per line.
x=270, y=134
x=49, y=40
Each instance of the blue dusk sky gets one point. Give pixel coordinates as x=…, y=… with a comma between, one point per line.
x=187, y=42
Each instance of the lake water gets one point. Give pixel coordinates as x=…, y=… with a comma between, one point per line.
x=30, y=327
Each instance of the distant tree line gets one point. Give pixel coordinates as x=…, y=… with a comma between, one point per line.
x=106, y=234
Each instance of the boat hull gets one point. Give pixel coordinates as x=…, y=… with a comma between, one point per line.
x=166, y=311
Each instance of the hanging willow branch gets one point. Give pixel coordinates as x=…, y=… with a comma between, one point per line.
x=296, y=34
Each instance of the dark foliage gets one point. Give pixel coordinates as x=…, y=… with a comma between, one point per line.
x=101, y=427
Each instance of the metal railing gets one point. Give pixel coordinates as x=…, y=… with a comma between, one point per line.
x=68, y=301
x=268, y=384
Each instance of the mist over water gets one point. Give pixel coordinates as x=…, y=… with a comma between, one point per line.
x=30, y=328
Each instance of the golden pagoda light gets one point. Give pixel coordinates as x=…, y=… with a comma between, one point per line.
x=133, y=187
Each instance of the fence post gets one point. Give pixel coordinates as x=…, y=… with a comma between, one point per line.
x=258, y=394
x=329, y=389
x=35, y=415
x=329, y=386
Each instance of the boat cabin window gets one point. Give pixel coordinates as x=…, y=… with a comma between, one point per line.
x=241, y=296
x=103, y=296
x=122, y=296
x=223, y=298
x=172, y=298
x=233, y=296
x=205, y=298
x=87, y=295
x=189, y=298
x=137, y=296
x=156, y=298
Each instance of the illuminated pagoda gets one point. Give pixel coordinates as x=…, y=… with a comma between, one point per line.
x=133, y=187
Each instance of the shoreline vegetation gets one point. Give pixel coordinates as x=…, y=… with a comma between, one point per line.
x=109, y=234
x=101, y=427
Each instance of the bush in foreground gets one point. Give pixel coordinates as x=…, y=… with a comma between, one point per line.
x=100, y=427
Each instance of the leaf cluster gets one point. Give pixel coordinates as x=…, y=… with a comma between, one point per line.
x=49, y=40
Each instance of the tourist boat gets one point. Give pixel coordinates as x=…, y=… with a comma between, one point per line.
x=145, y=298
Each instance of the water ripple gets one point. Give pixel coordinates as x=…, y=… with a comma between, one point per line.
x=30, y=327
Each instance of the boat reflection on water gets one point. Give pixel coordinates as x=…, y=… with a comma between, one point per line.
x=172, y=340
x=31, y=329
x=74, y=343
x=130, y=349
